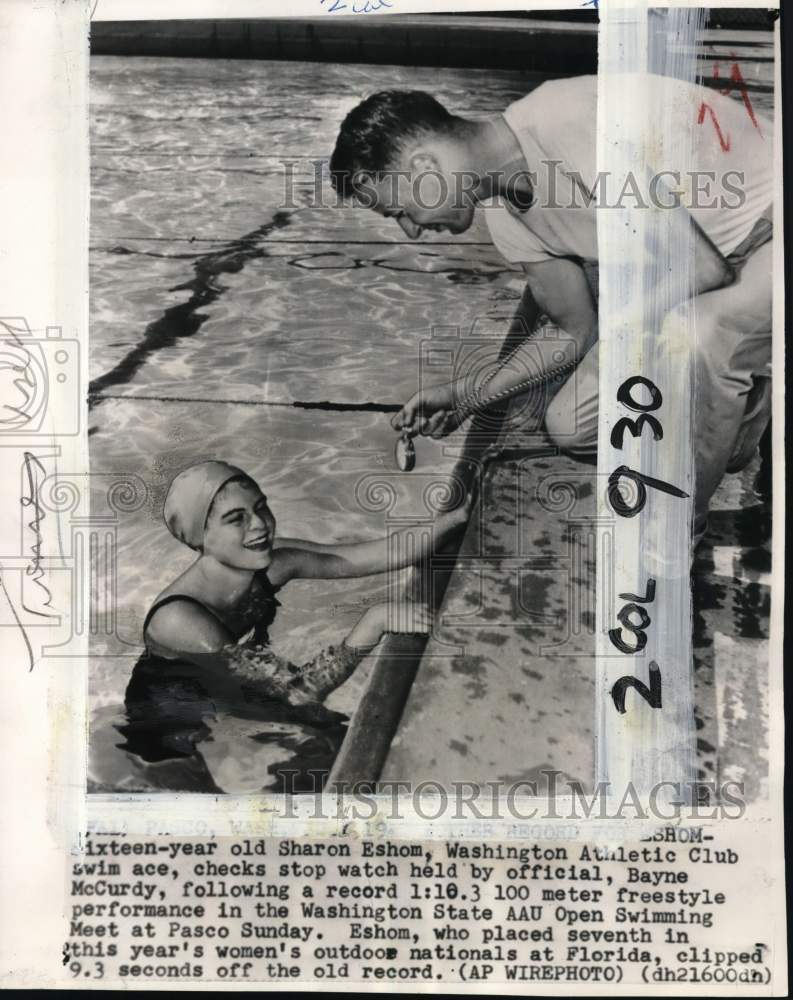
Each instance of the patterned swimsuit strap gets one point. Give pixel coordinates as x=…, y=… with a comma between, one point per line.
x=262, y=577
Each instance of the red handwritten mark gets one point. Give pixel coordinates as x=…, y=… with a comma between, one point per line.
x=738, y=83
x=724, y=140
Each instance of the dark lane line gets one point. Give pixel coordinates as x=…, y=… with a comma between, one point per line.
x=185, y=320
x=299, y=404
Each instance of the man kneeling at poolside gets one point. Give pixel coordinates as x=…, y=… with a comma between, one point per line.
x=533, y=168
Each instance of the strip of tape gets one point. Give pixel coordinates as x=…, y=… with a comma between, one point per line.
x=645, y=719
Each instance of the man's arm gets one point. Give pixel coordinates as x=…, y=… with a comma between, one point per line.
x=708, y=271
x=558, y=288
x=561, y=290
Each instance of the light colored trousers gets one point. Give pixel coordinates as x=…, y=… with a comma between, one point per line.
x=732, y=347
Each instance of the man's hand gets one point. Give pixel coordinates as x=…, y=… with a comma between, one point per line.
x=430, y=412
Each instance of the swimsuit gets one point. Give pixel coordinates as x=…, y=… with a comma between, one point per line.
x=172, y=705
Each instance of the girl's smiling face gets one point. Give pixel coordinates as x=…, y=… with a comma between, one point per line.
x=240, y=528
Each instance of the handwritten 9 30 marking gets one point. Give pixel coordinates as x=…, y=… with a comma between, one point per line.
x=633, y=617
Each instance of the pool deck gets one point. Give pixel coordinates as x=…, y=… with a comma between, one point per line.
x=506, y=686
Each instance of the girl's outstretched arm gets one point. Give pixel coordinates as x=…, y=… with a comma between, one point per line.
x=195, y=635
x=298, y=559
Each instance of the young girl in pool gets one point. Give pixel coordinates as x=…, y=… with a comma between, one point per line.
x=207, y=646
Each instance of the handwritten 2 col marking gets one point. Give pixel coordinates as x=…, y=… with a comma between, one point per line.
x=621, y=507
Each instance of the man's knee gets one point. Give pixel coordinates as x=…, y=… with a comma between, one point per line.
x=569, y=427
x=708, y=335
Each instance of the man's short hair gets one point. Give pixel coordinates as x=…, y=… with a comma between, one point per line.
x=372, y=134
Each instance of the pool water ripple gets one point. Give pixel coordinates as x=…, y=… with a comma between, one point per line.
x=184, y=320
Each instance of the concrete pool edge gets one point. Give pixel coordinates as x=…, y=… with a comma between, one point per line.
x=405, y=39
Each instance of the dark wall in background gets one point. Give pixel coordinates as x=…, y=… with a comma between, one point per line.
x=548, y=43
x=408, y=40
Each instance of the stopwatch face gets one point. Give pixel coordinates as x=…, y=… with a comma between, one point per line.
x=405, y=453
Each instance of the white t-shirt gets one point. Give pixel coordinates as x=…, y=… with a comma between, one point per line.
x=556, y=128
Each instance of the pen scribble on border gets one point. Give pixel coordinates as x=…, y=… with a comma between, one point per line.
x=23, y=381
x=34, y=569
x=17, y=620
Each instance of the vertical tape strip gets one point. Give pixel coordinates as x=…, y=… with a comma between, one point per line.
x=645, y=716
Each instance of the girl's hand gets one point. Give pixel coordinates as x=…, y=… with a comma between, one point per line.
x=390, y=616
x=449, y=520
